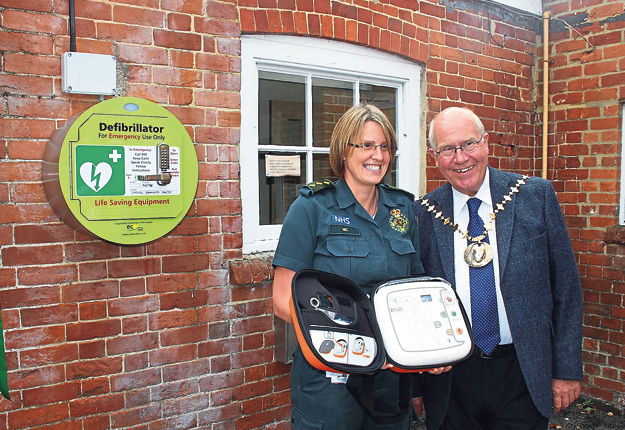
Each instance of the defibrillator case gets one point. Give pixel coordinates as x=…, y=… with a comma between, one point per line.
x=414, y=323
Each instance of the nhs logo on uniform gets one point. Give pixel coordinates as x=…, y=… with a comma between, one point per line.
x=341, y=219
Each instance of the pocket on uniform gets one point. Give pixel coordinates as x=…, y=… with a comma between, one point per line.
x=402, y=246
x=300, y=421
x=344, y=247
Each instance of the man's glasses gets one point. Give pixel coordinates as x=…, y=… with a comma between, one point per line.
x=370, y=147
x=467, y=147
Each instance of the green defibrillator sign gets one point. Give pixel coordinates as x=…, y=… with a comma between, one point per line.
x=100, y=170
x=127, y=171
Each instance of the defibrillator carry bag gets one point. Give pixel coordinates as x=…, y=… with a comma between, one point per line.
x=414, y=323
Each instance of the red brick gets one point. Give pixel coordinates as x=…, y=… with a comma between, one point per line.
x=173, y=390
x=88, y=251
x=171, y=282
x=218, y=330
x=92, y=310
x=142, y=55
x=134, y=305
x=136, y=324
x=171, y=355
x=38, y=275
x=184, y=420
x=39, y=107
x=95, y=349
x=25, y=255
x=133, y=343
x=137, y=398
x=24, y=418
x=38, y=376
x=128, y=418
x=129, y=33
x=186, y=370
x=617, y=386
x=254, y=342
x=49, y=355
x=220, y=414
x=178, y=22
x=248, y=20
x=187, y=263
x=51, y=394
x=92, y=330
x=92, y=368
x=135, y=380
x=91, y=291
x=139, y=16
x=26, y=42
x=184, y=299
x=130, y=268
x=25, y=338
x=184, y=335
x=96, y=405
x=219, y=347
x=34, y=22
x=49, y=315
x=227, y=28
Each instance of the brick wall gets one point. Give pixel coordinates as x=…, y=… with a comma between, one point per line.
x=587, y=74
x=174, y=334
x=178, y=333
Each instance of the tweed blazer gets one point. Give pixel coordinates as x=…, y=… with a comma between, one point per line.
x=539, y=283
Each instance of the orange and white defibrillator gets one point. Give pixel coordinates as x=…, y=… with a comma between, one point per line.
x=414, y=323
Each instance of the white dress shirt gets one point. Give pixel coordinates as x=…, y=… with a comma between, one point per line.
x=461, y=217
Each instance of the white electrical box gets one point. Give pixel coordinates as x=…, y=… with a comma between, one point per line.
x=84, y=73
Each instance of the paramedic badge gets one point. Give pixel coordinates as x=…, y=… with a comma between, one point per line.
x=398, y=221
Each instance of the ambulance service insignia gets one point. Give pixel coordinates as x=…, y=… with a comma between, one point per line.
x=398, y=221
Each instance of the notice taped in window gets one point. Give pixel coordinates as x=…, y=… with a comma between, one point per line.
x=282, y=165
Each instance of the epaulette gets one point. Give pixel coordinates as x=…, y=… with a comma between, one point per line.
x=390, y=187
x=316, y=186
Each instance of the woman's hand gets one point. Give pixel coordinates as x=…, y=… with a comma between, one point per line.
x=387, y=365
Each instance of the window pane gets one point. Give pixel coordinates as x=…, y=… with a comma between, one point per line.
x=331, y=99
x=391, y=176
x=383, y=97
x=277, y=193
x=322, y=169
x=281, y=109
x=386, y=99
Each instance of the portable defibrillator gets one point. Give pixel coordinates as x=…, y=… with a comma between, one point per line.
x=414, y=323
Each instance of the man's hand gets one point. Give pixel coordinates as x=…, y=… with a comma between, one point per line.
x=564, y=393
x=418, y=406
x=439, y=370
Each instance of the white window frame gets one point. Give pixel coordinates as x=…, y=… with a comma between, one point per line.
x=621, y=212
x=321, y=58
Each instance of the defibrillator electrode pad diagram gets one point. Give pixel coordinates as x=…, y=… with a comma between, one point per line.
x=125, y=171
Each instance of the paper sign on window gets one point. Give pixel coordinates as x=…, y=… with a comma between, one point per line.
x=282, y=165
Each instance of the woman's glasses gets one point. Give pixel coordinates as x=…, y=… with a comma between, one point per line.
x=370, y=147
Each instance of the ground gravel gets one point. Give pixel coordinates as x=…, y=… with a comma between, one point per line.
x=580, y=416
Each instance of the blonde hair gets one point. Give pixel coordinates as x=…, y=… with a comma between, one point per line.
x=349, y=130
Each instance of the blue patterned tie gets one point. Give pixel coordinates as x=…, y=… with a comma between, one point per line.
x=483, y=293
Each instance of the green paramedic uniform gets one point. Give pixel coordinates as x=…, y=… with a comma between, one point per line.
x=327, y=229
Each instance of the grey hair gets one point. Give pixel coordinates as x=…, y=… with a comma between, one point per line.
x=476, y=119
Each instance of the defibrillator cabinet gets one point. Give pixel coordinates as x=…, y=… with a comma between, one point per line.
x=124, y=171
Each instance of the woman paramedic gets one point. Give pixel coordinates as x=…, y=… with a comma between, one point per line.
x=361, y=230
